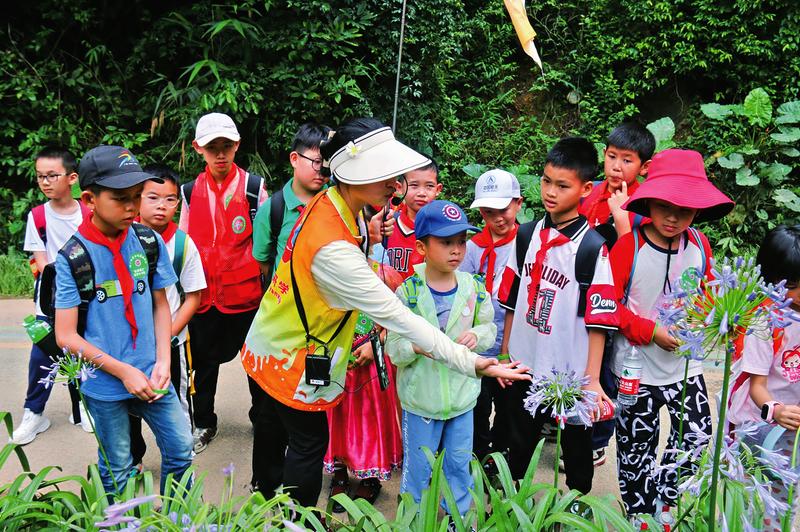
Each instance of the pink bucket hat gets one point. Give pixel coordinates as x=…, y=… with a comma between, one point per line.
x=679, y=177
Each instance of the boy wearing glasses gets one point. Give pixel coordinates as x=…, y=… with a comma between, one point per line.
x=157, y=211
x=270, y=238
x=49, y=227
x=217, y=212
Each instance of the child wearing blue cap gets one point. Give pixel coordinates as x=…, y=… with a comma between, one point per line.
x=438, y=402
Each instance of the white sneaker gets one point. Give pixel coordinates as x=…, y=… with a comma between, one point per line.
x=32, y=424
x=86, y=425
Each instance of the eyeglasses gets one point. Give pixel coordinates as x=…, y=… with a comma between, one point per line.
x=169, y=201
x=50, y=178
x=316, y=164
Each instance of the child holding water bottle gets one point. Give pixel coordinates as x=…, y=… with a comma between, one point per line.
x=647, y=264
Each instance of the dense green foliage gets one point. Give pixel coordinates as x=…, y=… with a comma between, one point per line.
x=141, y=73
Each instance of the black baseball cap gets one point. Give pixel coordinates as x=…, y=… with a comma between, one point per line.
x=111, y=167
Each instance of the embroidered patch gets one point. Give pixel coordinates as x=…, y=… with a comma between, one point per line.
x=238, y=225
x=137, y=264
x=451, y=212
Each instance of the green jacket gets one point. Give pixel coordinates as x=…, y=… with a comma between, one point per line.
x=428, y=388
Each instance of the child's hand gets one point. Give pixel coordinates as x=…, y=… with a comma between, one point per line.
x=664, y=339
x=618, y=198
x=137, y=384
x=418, y=350
x=363, y=355
x=594, y=386
x=159, y=378
x=787, y=416
x=503, y=382
x=380, y=228
x=469, y=339
x=490, y=367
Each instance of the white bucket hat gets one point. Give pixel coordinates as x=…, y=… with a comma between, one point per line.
x=495, y=189
x=374, y=157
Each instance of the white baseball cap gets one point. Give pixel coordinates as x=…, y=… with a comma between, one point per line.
x=213, y=126
x=495, y=189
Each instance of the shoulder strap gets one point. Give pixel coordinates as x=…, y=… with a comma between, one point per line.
x=480, y=295
x=148, y=240
x=635, y=232
x=277, y=204
x=252, y=188
x=179, y=258
x=524, y=237
x=695, y=234
x=40, y=221
x=411, y=288
x=187, y=189
x=585, y=262
x=82, y=268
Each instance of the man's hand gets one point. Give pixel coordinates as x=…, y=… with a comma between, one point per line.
x=138, y=384
x=490, y=367
x=159, y=378
x=787, y=416
x=618, y=199
x=380, y=228
x=664, y=339
x=363, y=355
x=469, y=339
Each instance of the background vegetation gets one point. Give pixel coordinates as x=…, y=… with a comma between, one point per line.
x=141, y=73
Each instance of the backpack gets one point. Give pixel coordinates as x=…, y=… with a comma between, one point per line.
x=40, y=222
x=277, y=204
x=80, y=264
x=412, y=285
x=251, y=192
x=585, y=259
x=181, y=243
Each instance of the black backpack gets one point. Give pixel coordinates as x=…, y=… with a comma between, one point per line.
x=585, y=259
x=80, y=264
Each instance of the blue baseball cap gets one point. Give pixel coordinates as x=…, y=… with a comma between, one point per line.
x=441, y=218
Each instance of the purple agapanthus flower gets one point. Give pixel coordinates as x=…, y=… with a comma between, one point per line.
x=671, y=316
x=562, y=394
x=228, y=470
x=52, y=373
x=692, y=343
x=115, y=514
x=762, y=492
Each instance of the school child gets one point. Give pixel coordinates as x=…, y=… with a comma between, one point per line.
x=158, y=206
x=647, y=264
x=48, y=228
x=629, y=149
x=422, y=187
x=123, y=326
x=558, y=293
x=437, y=402
x=766, y=387
x=276, y=217
x=498, y=198
x=218, y=211
x=626, y=157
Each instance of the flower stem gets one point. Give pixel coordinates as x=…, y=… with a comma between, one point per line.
x=558, y=454
x=96, y=437
x=787, y=519
x=721, y=427
x=680, y=425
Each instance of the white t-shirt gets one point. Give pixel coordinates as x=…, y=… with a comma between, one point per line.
x=782, y=368
x=192, y=278
x=58, y=229
x=551, y=334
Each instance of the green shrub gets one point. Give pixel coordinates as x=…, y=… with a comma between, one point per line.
x=15, y=275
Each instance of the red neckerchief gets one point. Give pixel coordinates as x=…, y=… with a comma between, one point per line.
x=536, y=270
x=91, y=233
x=218, y=190
x=403, y=216
x=484, y=240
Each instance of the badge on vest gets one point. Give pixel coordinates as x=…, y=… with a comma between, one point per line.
x=238, y=225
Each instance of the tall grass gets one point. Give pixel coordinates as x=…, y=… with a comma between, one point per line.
x=15, y=275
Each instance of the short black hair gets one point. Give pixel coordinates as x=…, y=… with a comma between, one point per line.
x=633, y=135
x=779, y=254
x=95, y=189
x=574, y=153
x=59, y=152
x=309, y=136
x=164, y=172
x=348, y=132
x=430, y=166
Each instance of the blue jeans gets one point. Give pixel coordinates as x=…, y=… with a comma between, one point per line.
x=454, y=436
x=164, y=417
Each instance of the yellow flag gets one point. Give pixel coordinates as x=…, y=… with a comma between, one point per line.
x=525, y=32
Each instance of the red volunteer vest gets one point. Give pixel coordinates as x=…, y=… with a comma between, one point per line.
x=232, y=274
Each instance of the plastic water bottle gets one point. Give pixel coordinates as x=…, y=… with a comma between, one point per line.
x=631, y=376
x=608, y=410
x=42, y=334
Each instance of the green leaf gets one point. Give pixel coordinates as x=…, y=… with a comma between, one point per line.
x=732, y=161
x=746, y=178
x=716, y=111
x=787, y=198
x=474, y=170
x=748, y=150
x=774, y=172
x=789, y=134
x=791, y=152
x=758, y=107
x=762, y=214
x=663, y=130
x=789, y=113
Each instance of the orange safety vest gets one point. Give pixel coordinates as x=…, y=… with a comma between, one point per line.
x=225, y=244
x=275, y=348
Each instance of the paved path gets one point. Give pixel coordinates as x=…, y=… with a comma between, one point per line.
x=72, y=449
